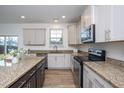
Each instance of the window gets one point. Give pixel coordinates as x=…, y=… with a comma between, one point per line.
x=2, y=39
x=8, y=43
x=56, y=36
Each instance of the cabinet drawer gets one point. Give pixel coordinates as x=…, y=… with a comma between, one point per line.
x=21, y=81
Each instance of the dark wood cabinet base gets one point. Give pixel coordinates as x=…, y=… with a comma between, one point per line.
x=33, y=78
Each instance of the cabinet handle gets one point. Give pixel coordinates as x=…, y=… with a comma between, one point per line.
x=32, y=73
x=98, y=83
x=22, y=83
x=107, y=35
x=29, y=85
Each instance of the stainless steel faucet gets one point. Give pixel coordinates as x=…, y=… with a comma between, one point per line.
x=55, y=47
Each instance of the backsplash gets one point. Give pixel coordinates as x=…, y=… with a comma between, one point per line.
x=113, y=50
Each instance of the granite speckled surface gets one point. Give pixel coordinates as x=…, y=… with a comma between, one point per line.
x=111, y=70
x=9, y=74
x=79, y=54
x=52, y=51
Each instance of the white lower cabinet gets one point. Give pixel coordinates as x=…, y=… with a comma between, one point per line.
x=59, y=61
x=51, y=60
x=72, y=63
x=92, y=80
x=87, y=79
x=67, y=62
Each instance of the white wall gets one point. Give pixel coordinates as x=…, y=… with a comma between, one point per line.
x=17, y=29
x=114, y=50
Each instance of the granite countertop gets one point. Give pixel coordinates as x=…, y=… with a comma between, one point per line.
x=11, y=73
x=79, y=54
x=111, y=70
x=52, y=51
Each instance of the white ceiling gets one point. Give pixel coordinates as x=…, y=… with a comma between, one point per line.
x=40, y=13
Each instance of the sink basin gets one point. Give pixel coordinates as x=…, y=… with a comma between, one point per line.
x=56, y=52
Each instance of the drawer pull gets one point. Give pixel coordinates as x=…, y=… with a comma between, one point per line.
x=22, y=83
x=32, y=73
x=98, y=84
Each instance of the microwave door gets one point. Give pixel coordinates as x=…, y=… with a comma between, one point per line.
x=89, y=34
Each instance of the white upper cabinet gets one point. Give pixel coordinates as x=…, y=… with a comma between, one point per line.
x=72, y=35
x=34, y=36
x=40, y=37
x=102, y=23
x=87, y=17
x=108, y=22
x=28, y=37
x=79, y=32
x=74, y=31
x=117, y=23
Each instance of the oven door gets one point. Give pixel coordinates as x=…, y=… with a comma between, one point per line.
x=77, y=73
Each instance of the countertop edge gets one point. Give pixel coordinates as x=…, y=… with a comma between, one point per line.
x=21, y=75
x=113, y=85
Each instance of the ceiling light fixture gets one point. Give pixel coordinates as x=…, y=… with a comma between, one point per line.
x=63, y=17
x=22, y=17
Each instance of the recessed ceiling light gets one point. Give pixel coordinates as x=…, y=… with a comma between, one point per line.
x=22, y=17
x=63, y=17
x=56, y=20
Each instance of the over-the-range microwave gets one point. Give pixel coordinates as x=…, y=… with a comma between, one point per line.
x=88, y=34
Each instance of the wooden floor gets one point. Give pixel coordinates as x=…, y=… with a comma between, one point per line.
x=58, y=79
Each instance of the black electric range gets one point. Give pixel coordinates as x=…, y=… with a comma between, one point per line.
x=93, y=55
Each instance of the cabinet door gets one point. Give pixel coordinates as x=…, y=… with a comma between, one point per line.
x=79, y=32
x=40, y=76
x=72, y=34
x=100, y=23
x=87, y=16
x=28, y=36
x=72, y=63
x=60, y=61
x=31, y=82
x=117, y=32
x=85, y=80
x=52, y=60
x=40, y=36
x=67, y=63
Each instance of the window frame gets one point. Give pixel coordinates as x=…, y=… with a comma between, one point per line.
x=55, y=38
x=5, y=44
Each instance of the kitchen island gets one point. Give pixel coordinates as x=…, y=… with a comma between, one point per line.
x=17, y=75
